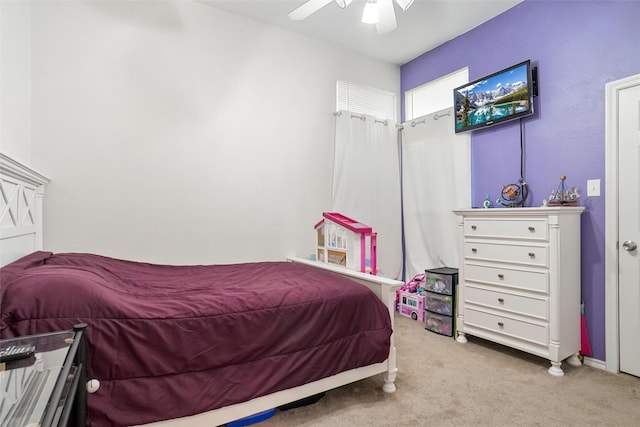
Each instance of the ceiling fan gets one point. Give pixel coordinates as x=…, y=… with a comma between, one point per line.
x=379, y=12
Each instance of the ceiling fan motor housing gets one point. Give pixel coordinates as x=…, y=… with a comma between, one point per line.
x=378, y=12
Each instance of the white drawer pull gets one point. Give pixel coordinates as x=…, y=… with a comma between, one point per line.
x=532, y=228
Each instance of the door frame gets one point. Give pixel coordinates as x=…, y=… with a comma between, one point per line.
x=612, y=330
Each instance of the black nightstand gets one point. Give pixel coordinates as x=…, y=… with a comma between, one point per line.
x=44, y=389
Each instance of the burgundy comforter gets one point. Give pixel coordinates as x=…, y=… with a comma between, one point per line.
x=170, y=341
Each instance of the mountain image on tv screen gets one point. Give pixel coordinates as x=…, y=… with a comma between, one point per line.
x=493, y=99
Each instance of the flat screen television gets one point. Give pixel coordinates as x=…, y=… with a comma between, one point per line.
x=497, y=98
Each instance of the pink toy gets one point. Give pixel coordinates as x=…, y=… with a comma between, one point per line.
x=416, y=283
x=410, y=298
x=342, y=240
x=410, y=304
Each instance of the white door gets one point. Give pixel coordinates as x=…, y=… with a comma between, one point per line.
x=629, y=228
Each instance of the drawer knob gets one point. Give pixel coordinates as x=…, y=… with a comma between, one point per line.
x=474, y=250
x=501, y=324
x=474, y=227
x=93, y=385
x=532, y=228
x=532, y=254
x=500, y=276
x=501, y=300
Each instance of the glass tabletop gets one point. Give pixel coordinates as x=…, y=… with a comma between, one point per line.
x=26, y=384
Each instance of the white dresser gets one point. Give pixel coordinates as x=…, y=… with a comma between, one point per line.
x=519, y=280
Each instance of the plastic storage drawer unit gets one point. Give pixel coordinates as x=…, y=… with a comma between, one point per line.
x=440, y=296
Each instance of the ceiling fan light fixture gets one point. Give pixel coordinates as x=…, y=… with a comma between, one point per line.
x=370, y=14
x=343, y=3
x=387, y=17
x=404, y=4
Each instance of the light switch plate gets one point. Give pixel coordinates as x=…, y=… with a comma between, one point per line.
x=593, y=187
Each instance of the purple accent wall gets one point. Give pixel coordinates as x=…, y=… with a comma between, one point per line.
x=578, y=47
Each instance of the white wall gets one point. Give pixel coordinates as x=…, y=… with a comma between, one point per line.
x=15, y=64
x=174, y=132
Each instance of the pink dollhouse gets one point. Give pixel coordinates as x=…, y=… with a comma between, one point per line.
x=347, y=242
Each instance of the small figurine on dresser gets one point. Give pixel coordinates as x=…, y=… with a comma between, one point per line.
x=487, y=202
x=562, y=196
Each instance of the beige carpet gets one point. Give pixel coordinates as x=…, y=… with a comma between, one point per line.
x=442, y=382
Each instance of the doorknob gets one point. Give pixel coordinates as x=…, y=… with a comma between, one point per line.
x=629, y=245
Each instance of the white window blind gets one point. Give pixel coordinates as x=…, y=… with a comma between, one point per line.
x=433, y=96
x=366, y=100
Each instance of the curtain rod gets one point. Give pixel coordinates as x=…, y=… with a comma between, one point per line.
x=413, y=123
x=363, y=118
x=436, y=116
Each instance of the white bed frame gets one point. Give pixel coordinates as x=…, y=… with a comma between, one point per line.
x=22, y=193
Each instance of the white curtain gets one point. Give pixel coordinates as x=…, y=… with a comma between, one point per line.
x=366, y=182
x=436, y=179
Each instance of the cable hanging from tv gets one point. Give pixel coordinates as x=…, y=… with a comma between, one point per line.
x=515, y=195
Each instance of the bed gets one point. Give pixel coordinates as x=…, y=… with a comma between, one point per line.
x=192, y=345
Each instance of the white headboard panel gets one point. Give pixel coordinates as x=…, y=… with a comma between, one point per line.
x=21, y=195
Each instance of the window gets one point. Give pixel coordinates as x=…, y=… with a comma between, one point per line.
x=365, y=100
x=433, y=96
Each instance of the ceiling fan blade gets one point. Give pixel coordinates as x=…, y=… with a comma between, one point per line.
x=343, y=3
x=404, y=4
x=387, y=17
x=307, y=9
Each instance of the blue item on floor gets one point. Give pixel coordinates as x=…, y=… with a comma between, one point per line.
x=252, y=419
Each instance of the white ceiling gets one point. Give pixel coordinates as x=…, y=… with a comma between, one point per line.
x=426, y=25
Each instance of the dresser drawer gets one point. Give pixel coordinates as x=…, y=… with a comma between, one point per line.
x=530, y=280
x=520, y=228
x=524, y=305
x=529, y=331
x=520, y=254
